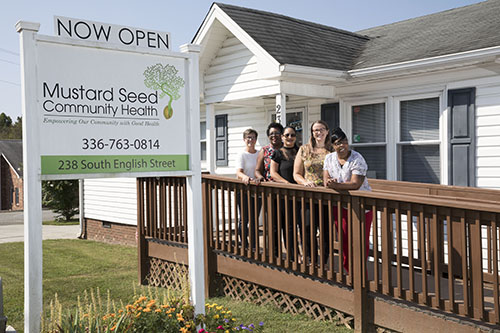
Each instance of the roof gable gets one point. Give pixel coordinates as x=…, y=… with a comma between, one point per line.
x=12, y=150
x=288, y=41
x=298, y=42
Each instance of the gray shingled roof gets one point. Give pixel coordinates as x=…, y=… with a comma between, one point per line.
x=457, y=30
x=13, y=152
x=298, y=42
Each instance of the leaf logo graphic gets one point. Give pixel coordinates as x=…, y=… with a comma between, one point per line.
x=164, y=79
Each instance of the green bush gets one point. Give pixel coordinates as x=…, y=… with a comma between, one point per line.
x=62, y=197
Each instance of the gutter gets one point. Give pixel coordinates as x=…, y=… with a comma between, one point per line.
x=450, y=60
x=316, y=73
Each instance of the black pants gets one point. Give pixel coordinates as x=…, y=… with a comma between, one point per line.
x=306, y=246
x=287, y=237
x=248, y=218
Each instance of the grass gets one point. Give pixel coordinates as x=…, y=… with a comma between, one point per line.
x=72, y=266
x=57, y=222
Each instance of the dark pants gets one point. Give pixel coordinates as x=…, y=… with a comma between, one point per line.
x=315, y=222
x=248, y=218
x=287, y=236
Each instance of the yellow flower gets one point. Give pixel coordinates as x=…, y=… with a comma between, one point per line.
x=138, y=314
x=113, y=328
x=120, y=311
x=158, y=310
x=227, y=331
x=216, y=316
x=164, y=306
x=169, y=316
x=179, y=317
x=219, y=308
x=183, y=330
x=147, y=310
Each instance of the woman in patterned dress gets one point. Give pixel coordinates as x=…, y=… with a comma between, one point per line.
x=263, y=169
x=308, y=171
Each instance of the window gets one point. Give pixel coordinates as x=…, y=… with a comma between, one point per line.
x=17, y=196
x=369, y=137
x=295, y=120
x=203, y=140
x=418, y=147
x=221, y=140
x=330, y=114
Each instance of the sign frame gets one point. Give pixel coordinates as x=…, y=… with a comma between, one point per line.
x=29, y=37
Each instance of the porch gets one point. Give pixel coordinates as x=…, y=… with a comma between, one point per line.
x=433, y=257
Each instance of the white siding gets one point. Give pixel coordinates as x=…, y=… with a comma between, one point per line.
x=233, y=74
x=111, y=200
x=488, y=136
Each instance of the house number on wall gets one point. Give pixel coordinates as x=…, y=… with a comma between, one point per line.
x=278, y=113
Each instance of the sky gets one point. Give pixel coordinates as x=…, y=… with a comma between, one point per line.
x=181, y=18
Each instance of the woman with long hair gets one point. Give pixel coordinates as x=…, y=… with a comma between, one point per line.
x=308, y=171
x=282, y=172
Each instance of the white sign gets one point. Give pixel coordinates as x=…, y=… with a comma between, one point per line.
x=102, y=109
x=110, y=33
x=110, y=111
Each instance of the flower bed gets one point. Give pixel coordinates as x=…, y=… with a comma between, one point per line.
x=151, y=313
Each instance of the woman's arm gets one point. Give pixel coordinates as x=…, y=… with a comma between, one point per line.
x=298, y=172
x=259, y=168
x=241, y=176
x=354, y=184
x=275, y=175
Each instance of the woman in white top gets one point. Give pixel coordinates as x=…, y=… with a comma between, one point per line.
x=345, y=169
x=245, y=168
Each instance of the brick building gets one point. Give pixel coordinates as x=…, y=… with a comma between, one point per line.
x=11, y=175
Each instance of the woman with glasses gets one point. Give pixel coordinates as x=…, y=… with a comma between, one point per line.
x=263, y=169
x=282, y=159
x=345, y=169
x=282, y=172
x=308, y=171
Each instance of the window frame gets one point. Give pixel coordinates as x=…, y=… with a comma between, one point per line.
x=348, y=107
x=203, y=140
x=397, y=165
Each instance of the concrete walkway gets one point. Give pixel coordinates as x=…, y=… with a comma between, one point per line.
x=15, y=232
x=12, y=228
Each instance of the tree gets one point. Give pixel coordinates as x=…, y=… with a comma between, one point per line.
x=10, y=130
x=164, y=79
x=62, y=197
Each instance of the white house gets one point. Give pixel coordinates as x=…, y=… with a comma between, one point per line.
x=420, y=99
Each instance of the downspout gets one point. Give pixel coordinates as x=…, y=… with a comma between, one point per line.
x=83, y=231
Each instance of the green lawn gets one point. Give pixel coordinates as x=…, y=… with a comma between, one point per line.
x=72, y=266
x=56, y=222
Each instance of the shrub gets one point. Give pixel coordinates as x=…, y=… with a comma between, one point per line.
x=61, y=196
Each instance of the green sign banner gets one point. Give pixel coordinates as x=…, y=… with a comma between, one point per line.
x=61, y=165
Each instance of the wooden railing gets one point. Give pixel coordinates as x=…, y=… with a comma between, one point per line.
x=439, y=250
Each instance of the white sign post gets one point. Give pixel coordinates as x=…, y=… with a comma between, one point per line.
x=93, y=109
